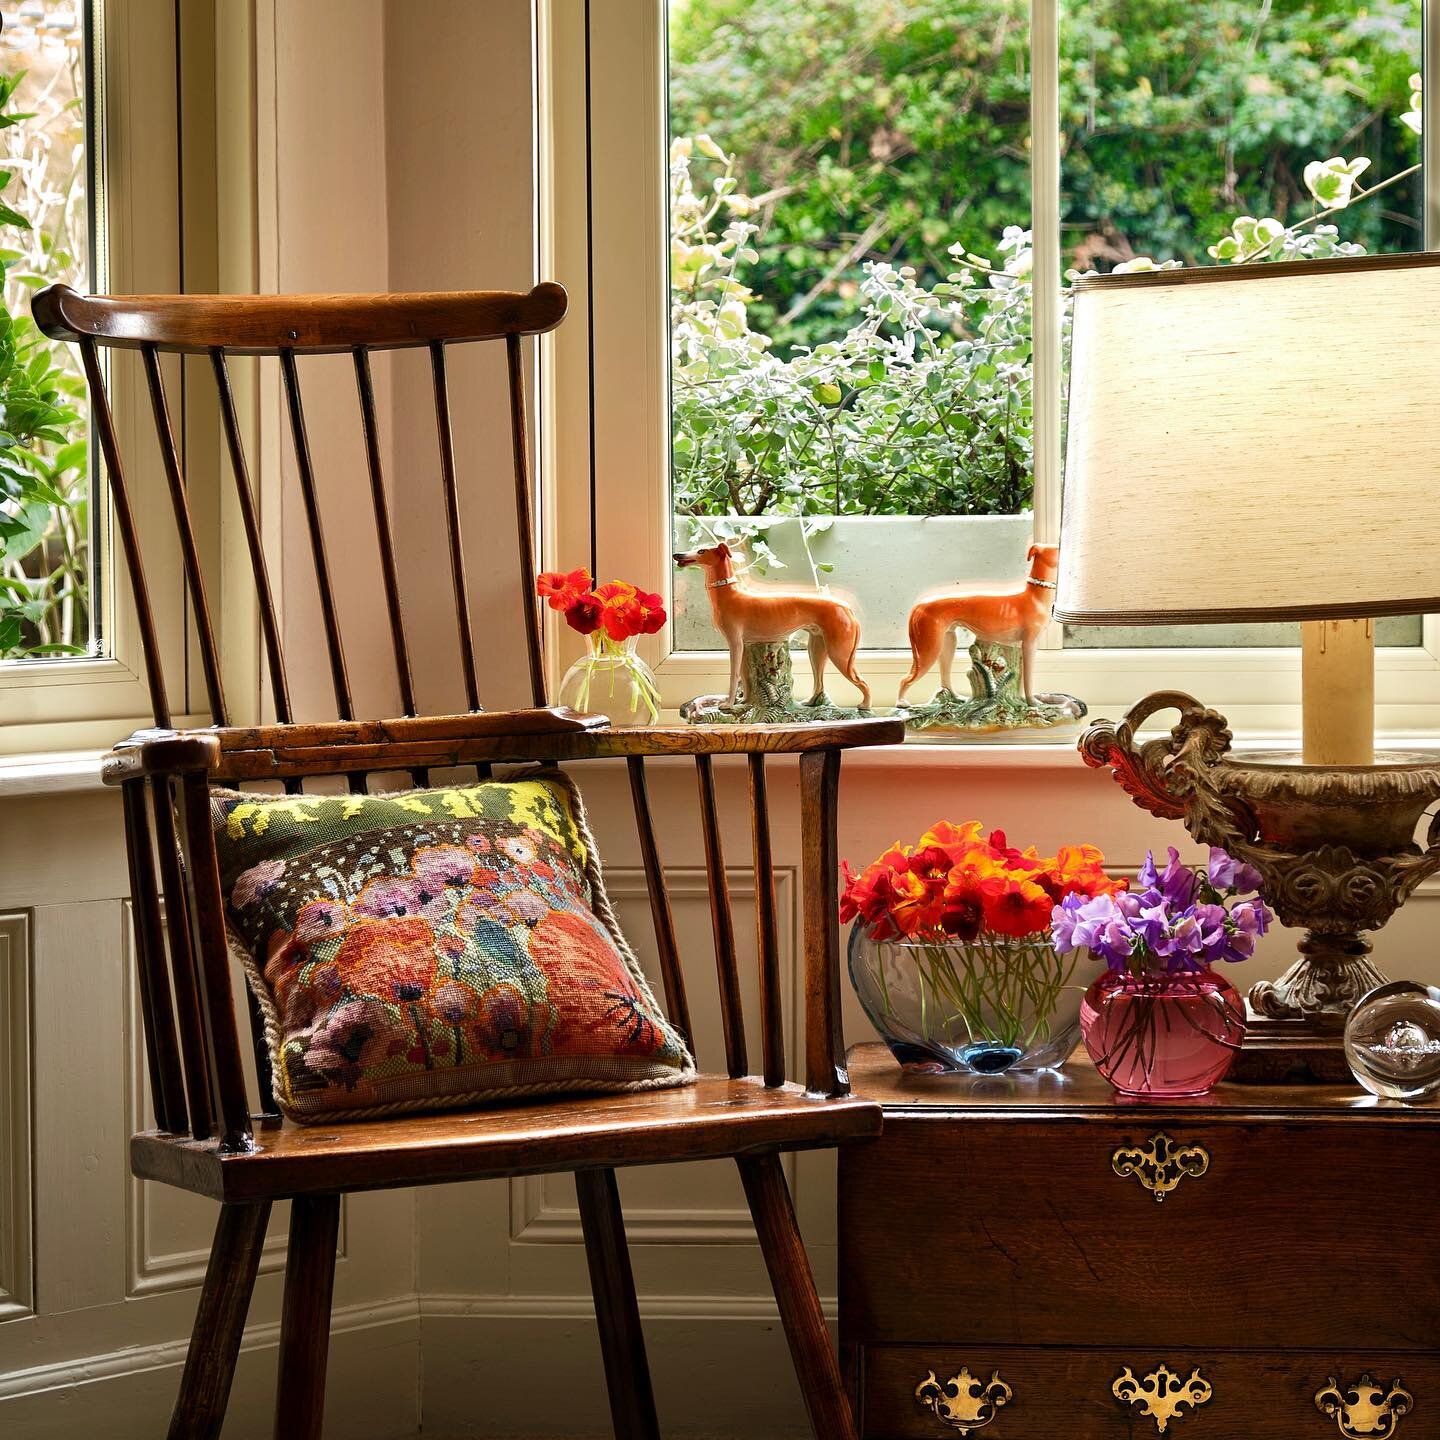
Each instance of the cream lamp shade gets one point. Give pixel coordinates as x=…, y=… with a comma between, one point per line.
x=1253, y=443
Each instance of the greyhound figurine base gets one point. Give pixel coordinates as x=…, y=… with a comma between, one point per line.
x=757, y=625
x=766, y=694
x=1006, y=626
x=996, y=704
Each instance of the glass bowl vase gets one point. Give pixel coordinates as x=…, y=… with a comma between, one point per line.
x=985, y=1007
x=1163, y=1035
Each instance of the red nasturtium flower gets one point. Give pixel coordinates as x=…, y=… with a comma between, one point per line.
x=621, y=608
x=583, y=614
x=561, y=591
x=956, y=884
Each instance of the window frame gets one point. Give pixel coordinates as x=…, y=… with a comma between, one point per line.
x=153, y=79
x=602, y=148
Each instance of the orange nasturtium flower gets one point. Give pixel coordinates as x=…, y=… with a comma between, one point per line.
x=957, y=884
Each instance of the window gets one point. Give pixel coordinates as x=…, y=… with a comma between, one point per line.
x=103, y=203
x=46, y=544
x=798, y=157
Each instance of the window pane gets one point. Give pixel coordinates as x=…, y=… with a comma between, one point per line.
x=1233, y=129
x=46, y=589
x=850, y=204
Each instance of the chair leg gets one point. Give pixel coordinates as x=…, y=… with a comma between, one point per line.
x=305, y=1319
x=794, y=1286
x=622, y=1342
x=220, y=1322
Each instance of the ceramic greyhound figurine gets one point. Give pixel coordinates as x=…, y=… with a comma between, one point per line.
x=746, y=616
x=1009, y=617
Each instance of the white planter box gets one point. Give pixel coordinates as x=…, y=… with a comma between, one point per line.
x=882, y=564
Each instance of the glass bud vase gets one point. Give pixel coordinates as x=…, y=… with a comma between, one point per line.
x=611, y=679
x=1161, y=1035
x=995, y=1004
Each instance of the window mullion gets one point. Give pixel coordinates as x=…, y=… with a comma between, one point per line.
x=1046, y=280
x=1430, y=134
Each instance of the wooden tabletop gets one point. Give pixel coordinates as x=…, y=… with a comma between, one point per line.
x=876, y=1075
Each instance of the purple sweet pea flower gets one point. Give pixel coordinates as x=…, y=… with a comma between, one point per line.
x=1252, y=917
x=1177, y=882
x=1094, y=923
x=1148, y=879
x=1227, y=873
x=1186, y=939
x=1211, y=920
x=1152, y=924
x=1239, y=946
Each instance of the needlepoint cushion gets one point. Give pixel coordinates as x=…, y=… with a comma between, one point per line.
x=433, y=949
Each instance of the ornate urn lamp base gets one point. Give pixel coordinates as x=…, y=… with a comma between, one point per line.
x=1335, y=844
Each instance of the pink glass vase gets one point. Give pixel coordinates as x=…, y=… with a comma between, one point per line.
x=1167, y=1036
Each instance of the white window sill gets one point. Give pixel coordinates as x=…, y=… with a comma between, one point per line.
x=64, y=772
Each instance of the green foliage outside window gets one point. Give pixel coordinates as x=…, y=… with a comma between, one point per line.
x=850, y=280
x=45, y=591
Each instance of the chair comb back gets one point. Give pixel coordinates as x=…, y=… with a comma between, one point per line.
x=290, y=327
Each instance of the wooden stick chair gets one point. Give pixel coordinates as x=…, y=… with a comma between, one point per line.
x=206, y=1139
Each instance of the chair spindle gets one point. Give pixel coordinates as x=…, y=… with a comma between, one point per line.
x=732, y=1018
x=264, y=1075
x=825, y=1072
x=340, y=680
x=772, y=1015
x=104, y=423
x=188, y=1013
x=671, y=974
x=524, y=523
x=269, y=623
x=452, y=524
x=384, y=533
x=217, y=998
x=167, y=1085
x=185, y=530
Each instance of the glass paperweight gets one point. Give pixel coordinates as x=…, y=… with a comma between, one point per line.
x=1392, y=1041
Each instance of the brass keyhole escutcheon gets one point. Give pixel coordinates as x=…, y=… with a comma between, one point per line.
x=963, y=1402
x=1161, y=1395
x=1160, y=1164
x=1364, y=1410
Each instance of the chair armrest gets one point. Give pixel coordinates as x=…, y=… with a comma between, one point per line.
x=155, y=753
x=285, y=751
x=797, y=739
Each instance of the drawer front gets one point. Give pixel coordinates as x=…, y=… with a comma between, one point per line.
x=919, y=1392
x=1270, y=1236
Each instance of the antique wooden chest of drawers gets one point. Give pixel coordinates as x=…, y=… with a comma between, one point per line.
x=1034, y=1258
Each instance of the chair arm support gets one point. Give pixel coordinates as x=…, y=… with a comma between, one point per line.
x=825, y=1071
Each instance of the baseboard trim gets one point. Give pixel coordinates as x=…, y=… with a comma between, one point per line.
x=170, y=1354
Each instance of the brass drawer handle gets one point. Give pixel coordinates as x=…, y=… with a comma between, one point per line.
x=1365, y=1410
x=963, y=1402
x=1160, y=1165
x=1161, y=1394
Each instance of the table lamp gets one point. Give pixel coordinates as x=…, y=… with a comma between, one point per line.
x=1260, y=443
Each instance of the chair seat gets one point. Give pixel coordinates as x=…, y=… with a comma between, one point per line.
x=714, y=1117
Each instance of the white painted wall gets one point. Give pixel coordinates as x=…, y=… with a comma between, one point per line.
x=404, y=162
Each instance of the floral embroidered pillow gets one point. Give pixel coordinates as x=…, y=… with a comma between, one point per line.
x=434, y=949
